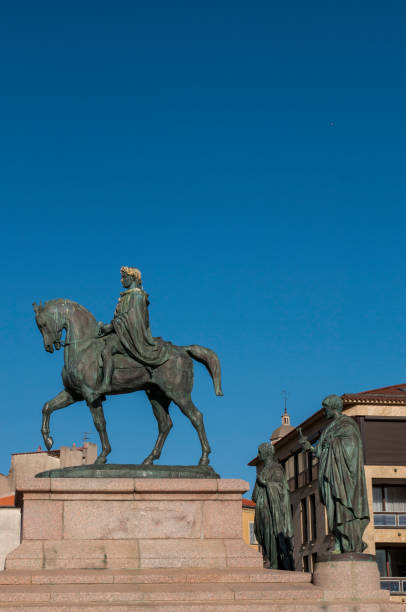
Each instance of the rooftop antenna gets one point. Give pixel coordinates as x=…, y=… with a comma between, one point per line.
x=285, y=395
x=285, y=416
x=86, y=435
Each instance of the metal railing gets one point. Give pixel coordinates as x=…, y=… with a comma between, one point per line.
x=397, y=586
x=389, y=519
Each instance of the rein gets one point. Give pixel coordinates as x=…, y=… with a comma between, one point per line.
x=63, y=344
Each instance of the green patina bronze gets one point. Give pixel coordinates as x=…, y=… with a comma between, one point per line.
x=110, y=470
x=273, y=519
x=122, y=357
x=341, y=477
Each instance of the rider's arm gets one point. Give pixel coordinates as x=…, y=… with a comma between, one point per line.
x=104, y=329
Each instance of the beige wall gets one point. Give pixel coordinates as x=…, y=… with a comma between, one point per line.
x=376, y=410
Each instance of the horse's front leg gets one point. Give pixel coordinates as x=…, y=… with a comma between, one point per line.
x=63, y=399
x=100, y=424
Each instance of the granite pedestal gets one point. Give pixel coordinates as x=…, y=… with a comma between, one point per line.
x=349, y=576
x=130, y=523
x=160, y=545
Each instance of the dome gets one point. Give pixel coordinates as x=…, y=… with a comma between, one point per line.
x=281, y=431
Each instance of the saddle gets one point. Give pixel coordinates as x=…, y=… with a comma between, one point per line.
x=124, y=362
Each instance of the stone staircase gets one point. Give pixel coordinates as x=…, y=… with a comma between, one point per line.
x=170, y=590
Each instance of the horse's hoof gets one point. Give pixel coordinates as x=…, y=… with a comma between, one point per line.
x=100, y=460
x=204, y=461
x=148, y=461
x=49, y=442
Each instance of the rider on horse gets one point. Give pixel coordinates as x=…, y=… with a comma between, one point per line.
x=129, y=332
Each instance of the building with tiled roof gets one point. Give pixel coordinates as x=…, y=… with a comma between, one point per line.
x=381, y=416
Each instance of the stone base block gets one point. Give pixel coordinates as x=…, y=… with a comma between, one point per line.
x=10, y=526
x=131, y=523
x=351, y=577
x=170, y=590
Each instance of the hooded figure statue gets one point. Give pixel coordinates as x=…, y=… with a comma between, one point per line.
x=273, y=520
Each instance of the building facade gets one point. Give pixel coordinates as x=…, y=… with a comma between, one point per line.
x=27, y=465
x=381, y=417
x=248, y=516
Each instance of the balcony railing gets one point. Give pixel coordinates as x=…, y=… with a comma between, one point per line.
x=389, y=519
x=397, y=586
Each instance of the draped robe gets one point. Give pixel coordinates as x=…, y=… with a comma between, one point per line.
x=131, y=324
x=273, y=519
x=342, y=485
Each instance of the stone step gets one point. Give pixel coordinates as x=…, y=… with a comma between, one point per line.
x=205, y=606
x=63, y=594
x=152, y=576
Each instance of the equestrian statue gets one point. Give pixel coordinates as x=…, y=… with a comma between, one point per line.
x=122, y=357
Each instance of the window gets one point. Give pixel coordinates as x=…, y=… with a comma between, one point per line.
x=377, y=497
x=296, y=469
x=381, y=561
x=392, y=568
x=305, y=563
x=290, y=468
x=309, y=459
x=313, y=524
x=253, y=539
x=301, y=458
x=395, y=499
x=389, y=506
x=303, y=517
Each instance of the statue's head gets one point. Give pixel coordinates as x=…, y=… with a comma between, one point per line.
x=130, y=276
x=265, y=450
x=333, y=405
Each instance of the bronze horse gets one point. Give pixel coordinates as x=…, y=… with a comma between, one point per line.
x=82, y=373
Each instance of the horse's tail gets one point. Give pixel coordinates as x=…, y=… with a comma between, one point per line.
x=210, y=360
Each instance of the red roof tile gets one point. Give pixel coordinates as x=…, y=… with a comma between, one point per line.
x=7, y=501
x=248, y=503
x=394, y=394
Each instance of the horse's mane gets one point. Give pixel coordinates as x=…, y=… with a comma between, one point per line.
x=70, y=303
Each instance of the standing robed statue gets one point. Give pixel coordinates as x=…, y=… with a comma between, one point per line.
x=341, y=477
x=273, y=518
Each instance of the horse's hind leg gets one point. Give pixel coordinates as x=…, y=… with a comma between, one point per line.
x=160, y=404
x=100, y=423
x=196, y=418
x=63, y=399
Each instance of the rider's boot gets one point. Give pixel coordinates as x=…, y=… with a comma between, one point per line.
x=107, y=370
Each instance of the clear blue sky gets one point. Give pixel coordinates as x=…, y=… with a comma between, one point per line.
x=250, y=159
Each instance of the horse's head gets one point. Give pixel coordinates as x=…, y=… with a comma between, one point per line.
x=50, y=326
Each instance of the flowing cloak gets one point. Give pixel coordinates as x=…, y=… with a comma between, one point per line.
x=273, y=519
x=131, y=324
x=342, y=485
